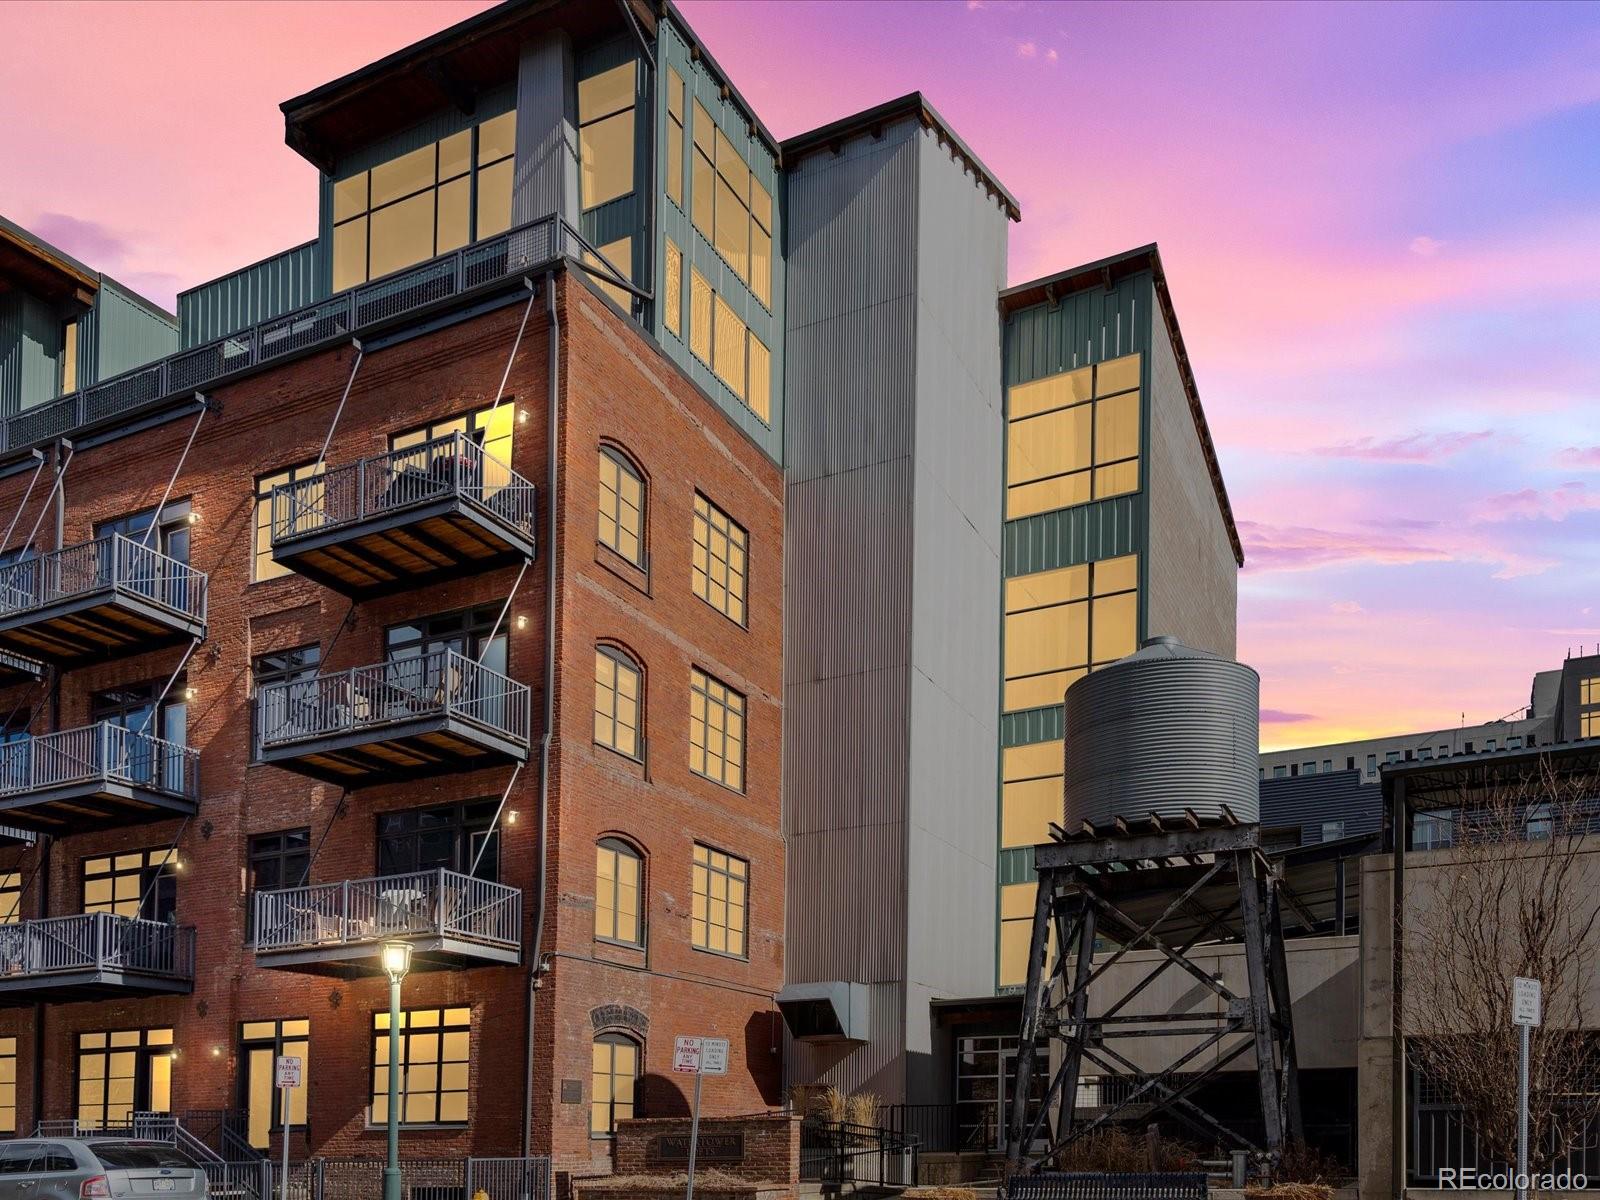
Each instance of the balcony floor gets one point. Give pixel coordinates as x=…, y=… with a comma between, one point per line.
x=90, y=983
x=429, y=952
x=94, y=627
x=410, y=547
x=429, y=745
x=89, y=805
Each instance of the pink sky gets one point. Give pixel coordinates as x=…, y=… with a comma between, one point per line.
x=1380, y=225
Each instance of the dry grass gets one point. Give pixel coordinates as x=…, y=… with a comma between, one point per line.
x=861, y=1109
x=940, y=1193
x=1115, y=1149
x=1291, y=1191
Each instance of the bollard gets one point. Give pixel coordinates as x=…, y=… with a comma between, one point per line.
x=1241, y=1159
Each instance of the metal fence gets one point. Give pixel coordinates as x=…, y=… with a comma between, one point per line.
x=325, y=323
x=439, y=902
x=453, y=465
x=99, y=752
x=438, y=683
x=104, y=941
x=842, y=1154
x=1442, y=1136
x=110, y=562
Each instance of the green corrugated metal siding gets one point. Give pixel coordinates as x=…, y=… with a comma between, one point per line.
x=1068, y=536
x=1031, y=725
x=30, y=333
x=1016, y=865
x=121, y=332
x=1090, y=326
x=263, y=290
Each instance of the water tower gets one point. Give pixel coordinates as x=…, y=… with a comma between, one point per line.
x=1157, y=861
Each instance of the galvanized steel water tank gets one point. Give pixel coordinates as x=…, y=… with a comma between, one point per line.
x=1166, y=729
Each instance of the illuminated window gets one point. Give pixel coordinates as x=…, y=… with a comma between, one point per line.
x=302, y=505
x=717, y=571
x=699, y=316
x=618, y=255
x=720, y=339
x=260, y=1043
x=143, y=883
x=1030, y=792
x=419, y=204
x=613, y=1082
x=1589, y=724
x=8, y=1085
x=435, y=1053
x=1016, y=933
x=703, y=173
x=621, y=507
x=1073, y=437
x=1589, y=698
x=10, y=897
x=672, y=290
x=760, y=397
x=605, y=134
x=616, y=701
x=1589, y=691
x=122, y=1072
x=760, y=242
x=1061, y=624
x=731, y=208
x=720, y=902
x=675, y=114
x=716, y=731
x=728, y=347
x=69, y=356
x=618, y=873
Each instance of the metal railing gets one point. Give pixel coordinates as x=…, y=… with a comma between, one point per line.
x=110, y=562
x=453, y=465
x=422, y=903
x=437, y=683
x=840, y=1153
x=102, y=752
x=327, y=322
x=96, y=941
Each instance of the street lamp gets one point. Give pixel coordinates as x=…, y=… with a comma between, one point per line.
x=396, y=959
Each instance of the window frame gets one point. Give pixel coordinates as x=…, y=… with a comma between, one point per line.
x=697, y=865
x=614, y=1038
x=468, y=823
x=703, y=513
x=282, y=1042
x=162, y=899
x=622, y=660
x=283, y=856
x=628, y=466
x=295, y=473
x=8, y=1087
x=1093, y=465
x=701, y=684
x=147, y=1046
x=1092, y=599
x=409, y=1029
x=584, y=122
x=622, y=848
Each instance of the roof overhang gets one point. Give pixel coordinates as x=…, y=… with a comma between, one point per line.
x=449, y=69
x=832, y=1011
x=29, y=264
x=1105, y=272
x=1469, y=780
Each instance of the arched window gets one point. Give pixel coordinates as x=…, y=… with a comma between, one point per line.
x=618, y=716
x=621, y=506
x=613, y=1082
x=618, y=892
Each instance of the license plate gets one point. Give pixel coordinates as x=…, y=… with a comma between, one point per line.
x=163, y=1185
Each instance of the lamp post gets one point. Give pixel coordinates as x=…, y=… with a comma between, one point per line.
x=396, y=958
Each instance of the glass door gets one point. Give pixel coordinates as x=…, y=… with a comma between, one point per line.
x=261, y=1043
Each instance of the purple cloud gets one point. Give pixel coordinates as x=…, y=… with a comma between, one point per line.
x=1277, y=716
x=1412, y=448
x=96, y=245
x=1299, y=547
x=1580, y=456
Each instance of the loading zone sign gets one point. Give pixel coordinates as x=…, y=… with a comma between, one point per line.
x=1527, y=1002
x=700, y=1056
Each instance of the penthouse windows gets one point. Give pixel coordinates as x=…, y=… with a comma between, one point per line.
x=1073, y=437
x=729, y=206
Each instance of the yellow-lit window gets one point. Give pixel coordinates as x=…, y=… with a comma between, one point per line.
x=616, y=701
x=716, y=730
x=1030, y=792
x=760, y=398
x=621, y=507
x=618, y=256
x=612, y=1083
x=121, y=1072
x=142, y=883
x=618, y=871
x=1061, y=624
x=672, y=291
x=730, y=207
x=1589, y=691
x=720, y=902
x=69, y=356
x=1073, y=437
x=717, y=570
x=419, y=204
x=490, y=427
x=301, y=510
x=1589, y=724
x=8, y=1085
x=703, y=173
x=1016, y=933
x=699, y=316
x=728, y=348
x=605, y=134
x=10, y=897
x=260, y=1044
x=435, y=1057
x=675, y=115
x=760, y=242
x=733, y=207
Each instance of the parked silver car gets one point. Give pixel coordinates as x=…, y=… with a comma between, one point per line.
x=97, y=1169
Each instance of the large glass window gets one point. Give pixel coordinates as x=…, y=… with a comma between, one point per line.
x=1589, y=707
x=613, y=1083
x=621, y=507
x=718, y=564
x=986, y=1078
x=133, y=708
x=467, y=632
x=1073, y=437
x=1030, y=792
x=421, y=203
x=8, y=1085
x=675, y=115
x=141, y=883
x=617, y=697
x=716, y=730
x=490, y=427
x=435, y=1060
x=618, y=880
x=121, y=1072
x=278, y=860
x=69, y=356
x=451, y=836
x=10, y=897
x=265, y=566
x=672, y=290
x=720, y=902
x=1061, y=624
x=605, y=134
x=731, y=208
x=260, y=1043
x=720, y=340
x=1016, y=933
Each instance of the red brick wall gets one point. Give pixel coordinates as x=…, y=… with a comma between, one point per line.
x=771, y=1146
x=615, y=385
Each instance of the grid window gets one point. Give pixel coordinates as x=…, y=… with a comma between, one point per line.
x=605, y=134
x=285, y=709
x=621, y=507
x=10, y=897
x=618, y=876
x=69, y=356
x=672, y=291
x=1589, y=691
x=1589, y=724
x=719, y=563
x=716, y=730
x=260, y=1044
x=1030, y=792
x=489, y=427
x=143, y=883
x=419, y=204
x=617, y=694
x=121, y=1072
x=309, y=501
x=1062, y=624
x=675, y=114
x=720, y=339
x=8, y=1085
x=720, y=902
x=277, y=860
x=1073, y=437
x=731, y=208
x=455, y=837
x=613, y=1084
x=1016, y=933
x=435, y=1056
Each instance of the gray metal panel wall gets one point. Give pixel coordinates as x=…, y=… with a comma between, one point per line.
x=1191, y=578
x=30, y=333
x=1307, y=801
x=127, y=333
x=546, y=178
x=259, y=292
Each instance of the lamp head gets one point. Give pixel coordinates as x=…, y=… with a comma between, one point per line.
x=396, y=959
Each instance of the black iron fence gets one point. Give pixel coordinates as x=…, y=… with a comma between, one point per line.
x=840, y=1155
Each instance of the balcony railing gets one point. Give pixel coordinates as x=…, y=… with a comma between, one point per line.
x=107, y=563
x=440, y=683
x=95, y=942
x=439, y=907
x=98, y=755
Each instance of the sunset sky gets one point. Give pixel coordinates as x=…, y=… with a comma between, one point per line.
x=1381, y=225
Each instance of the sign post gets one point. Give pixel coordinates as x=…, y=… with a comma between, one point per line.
x=698, y=1057
x=287, y=1070
x=1526, y=1012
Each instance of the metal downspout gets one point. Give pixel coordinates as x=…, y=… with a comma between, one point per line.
x=535, y=965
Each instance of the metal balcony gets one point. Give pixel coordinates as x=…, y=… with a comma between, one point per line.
x=93, y=956
x=18, y=670
x=450, y=919
x=101, y=599
x=400, y=520
x=96, y=777
x=424, y=715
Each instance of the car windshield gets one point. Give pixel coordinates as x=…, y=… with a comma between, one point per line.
x=122, y=1156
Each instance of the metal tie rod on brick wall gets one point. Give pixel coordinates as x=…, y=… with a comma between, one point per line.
x=23, y=503
x=155, y=517
x=322, y=454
